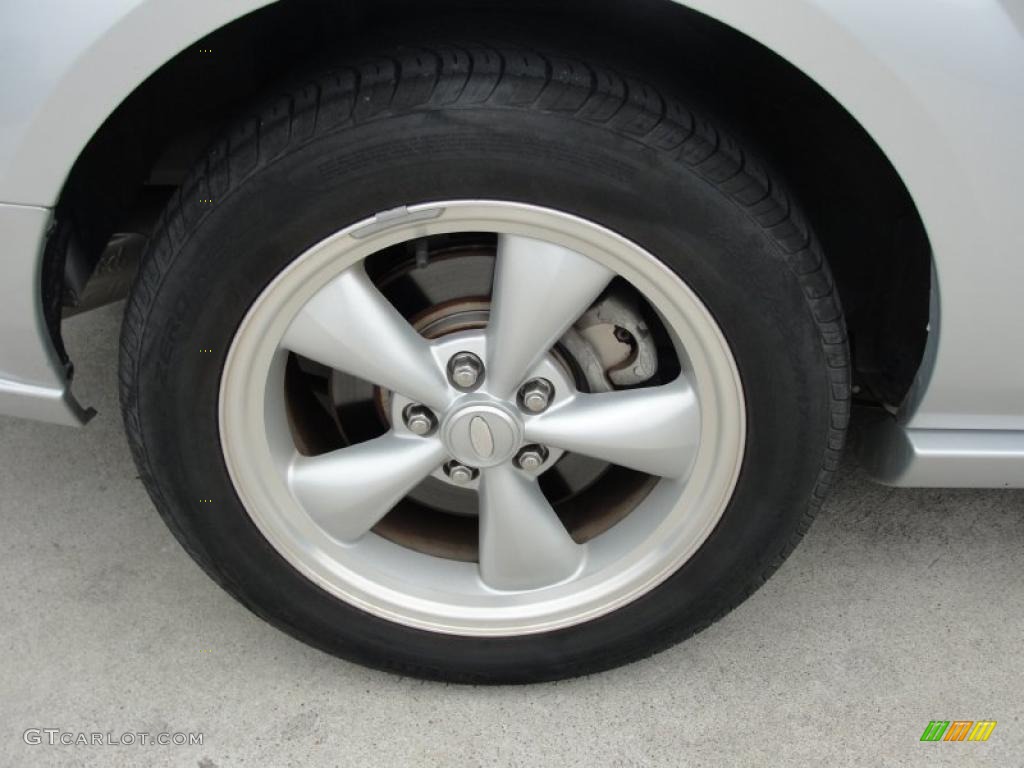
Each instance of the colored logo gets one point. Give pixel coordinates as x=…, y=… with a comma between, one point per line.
x=958, y=730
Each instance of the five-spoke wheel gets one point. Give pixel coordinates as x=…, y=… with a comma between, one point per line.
x=489, y=409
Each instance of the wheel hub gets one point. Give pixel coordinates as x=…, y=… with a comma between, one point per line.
x=479, y=429
x=484, y=433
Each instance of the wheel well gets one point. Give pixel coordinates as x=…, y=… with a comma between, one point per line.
x=858, y=205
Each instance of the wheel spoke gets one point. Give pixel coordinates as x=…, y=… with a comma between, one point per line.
x=523, y=544
x=350, y=326
x=349, y=490
x=654, y=430
x=540, y=289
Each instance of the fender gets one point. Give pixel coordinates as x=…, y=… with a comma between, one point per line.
x=936, y=86
x=76, y=68
x=66, y=70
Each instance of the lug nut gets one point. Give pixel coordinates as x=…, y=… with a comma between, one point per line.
x=465, y=370
x=532, y=457
x=419, y=419
x=459, y=473
x=535, y=395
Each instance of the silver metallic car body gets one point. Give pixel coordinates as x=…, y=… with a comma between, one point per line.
x=937, y=86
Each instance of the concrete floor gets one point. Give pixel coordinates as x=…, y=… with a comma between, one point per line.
x=901, y=606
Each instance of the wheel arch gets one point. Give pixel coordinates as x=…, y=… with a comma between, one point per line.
x=184, y=81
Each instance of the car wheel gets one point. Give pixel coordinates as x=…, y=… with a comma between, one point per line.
x=484, y=365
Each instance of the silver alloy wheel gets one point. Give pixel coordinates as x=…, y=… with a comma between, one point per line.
x=318, y=511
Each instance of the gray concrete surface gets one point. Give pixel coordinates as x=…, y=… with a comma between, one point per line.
x=899, y=607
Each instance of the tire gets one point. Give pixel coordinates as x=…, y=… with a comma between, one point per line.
x=472, y=122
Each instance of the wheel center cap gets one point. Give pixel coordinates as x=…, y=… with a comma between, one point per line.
x=482, y=434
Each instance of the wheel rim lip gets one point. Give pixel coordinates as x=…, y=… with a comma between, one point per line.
x=254, y=360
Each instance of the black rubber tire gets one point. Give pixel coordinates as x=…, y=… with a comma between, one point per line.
x=472, y=121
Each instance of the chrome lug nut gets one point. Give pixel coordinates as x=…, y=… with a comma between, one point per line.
x=531, y=457
x=419, y=419
x=535, y=395
x=465, y=370
x=459, y=473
